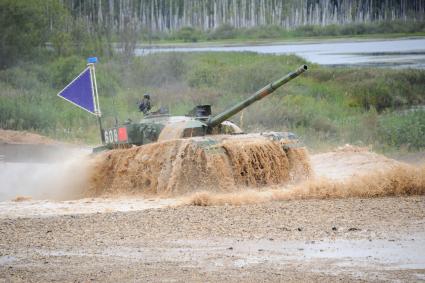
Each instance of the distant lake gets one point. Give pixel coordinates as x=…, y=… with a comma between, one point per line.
x=398, y=53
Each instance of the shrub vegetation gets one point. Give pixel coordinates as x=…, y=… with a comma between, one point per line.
x=325, y=106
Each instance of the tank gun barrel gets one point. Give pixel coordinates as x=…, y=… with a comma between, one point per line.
x=268, y=89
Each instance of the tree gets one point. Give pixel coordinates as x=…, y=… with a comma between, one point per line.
x=23, y=28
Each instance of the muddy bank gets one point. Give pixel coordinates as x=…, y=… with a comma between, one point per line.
x=22, y=137
x=25, y=147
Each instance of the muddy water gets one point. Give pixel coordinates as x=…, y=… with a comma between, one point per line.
x=178, y=167
x=47, y=208
x=36, y=167
x=58, y=181
x=361, y=258
x=343, y=173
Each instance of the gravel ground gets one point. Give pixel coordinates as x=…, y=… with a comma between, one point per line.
x=377, y=239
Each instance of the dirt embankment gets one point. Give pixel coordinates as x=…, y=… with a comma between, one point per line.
x=25, y=147
x=22, y=137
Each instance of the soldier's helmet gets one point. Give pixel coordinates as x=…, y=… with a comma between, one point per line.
x=147, y=95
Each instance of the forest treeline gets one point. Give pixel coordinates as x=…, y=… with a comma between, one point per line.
x=166, y=15
x=91, y=27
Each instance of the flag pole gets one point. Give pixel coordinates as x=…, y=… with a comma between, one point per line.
x=91, y=63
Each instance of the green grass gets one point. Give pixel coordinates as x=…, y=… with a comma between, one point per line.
x=325, y=106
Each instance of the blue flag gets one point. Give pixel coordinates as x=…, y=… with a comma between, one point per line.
x=80, y=92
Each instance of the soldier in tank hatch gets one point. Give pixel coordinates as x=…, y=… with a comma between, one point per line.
x=145, y=104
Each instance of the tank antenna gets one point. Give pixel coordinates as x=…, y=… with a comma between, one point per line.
x=115, y=110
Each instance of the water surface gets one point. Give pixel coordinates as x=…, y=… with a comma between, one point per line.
x=399, y=53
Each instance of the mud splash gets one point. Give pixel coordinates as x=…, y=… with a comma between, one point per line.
x=246, y=171
x=179, y=167
x=398, y=181
x=63, y=180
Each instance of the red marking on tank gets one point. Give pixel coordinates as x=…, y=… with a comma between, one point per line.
x=122, y=134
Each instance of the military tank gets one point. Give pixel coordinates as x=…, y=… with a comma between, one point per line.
x=164, y=152
x=160, y=126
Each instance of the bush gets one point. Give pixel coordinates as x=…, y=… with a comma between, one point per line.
x=406, y=129
x=376, y=88
x=224, y=31
x=21, y=78
x=188, y=34
x=202, y=76
x=64, y=69
x=157, y=70
x=263, y=32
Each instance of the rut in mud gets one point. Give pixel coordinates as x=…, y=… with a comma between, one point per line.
x=178, y=167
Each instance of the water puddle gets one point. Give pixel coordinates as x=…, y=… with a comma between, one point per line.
x=7, y=259
x=357, y=257
x=47, y=208
x=360, y=259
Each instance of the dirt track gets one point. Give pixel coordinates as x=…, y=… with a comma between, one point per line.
x=121, y=239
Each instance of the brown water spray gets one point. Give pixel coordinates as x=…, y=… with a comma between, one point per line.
x=179, y=167
x=401, y=180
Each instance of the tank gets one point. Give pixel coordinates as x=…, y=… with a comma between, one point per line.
x=160, y=126
x=171, y=155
